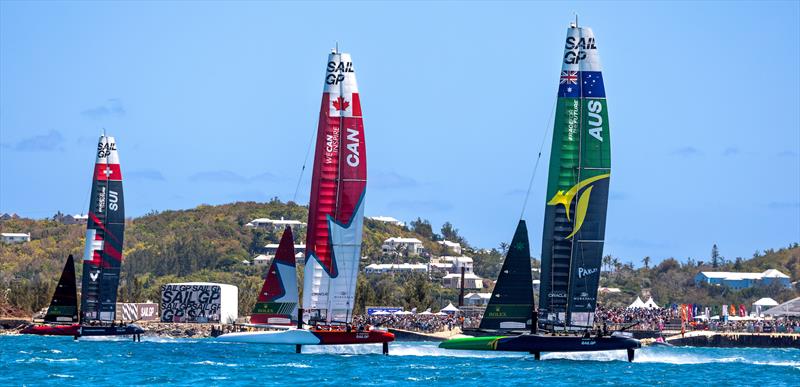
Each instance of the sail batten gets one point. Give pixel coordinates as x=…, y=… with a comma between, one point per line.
x=577, y=190
x=105, y=229
x=336, y=207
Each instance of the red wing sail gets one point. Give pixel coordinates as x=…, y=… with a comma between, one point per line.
x=339, y=182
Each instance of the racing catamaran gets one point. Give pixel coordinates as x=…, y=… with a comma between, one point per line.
x=335, y=223
x=102, y=257
x=574, y=224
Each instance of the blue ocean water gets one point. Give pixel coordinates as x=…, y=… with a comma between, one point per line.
x=32, y=360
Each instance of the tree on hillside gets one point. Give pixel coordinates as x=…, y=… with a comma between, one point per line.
x=607, y=262
x=449, y=232
x=503, y=248
x=646, y=262
x=422, y=227
x=715, y=262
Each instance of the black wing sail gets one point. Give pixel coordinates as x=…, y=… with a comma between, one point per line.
x=512, y=299
x=64, y=305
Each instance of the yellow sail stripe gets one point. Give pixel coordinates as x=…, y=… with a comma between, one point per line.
x=565, y=198
x=580, y=212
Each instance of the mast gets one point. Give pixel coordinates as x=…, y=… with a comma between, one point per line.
x=577, y=193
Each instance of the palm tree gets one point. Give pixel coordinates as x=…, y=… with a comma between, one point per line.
x=503, y=247
x=646, y=261
x=607, y=262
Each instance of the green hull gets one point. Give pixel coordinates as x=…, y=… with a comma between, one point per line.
x=471, y=343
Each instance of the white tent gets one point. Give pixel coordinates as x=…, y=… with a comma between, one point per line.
x=766, y=302
x=650, y=304
x=450, y=308
x=426, y=313
x=402, y=313
x=381, y=313
x=440, y=313
x=637, y=304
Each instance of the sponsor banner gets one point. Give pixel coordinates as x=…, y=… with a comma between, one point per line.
x=190, y=303
x=390, y=309
x=130, y=311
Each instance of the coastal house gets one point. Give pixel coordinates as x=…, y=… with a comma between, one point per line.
x=261, y=260
x=15, y=237
x=386, y=268
x=453, y=281
x=742, y=280
x=451, y=265
x=402, y=246
x=271, y=249
x=387, y=219
x=274, y=224
x=450, y=246
x=477, y=299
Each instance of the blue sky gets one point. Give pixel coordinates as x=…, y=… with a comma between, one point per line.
x=214, y=103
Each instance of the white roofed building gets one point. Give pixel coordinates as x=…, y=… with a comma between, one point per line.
x=387, y=219
x=274, y=223
x=452, y=247
x=402, y=246
x=15, y=237
x=743, y=280
x=477, y=299
x=471, y=281
x=383, y=268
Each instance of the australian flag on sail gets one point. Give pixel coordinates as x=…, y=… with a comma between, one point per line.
x=574, y=84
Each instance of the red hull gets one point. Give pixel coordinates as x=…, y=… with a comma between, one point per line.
x=344, y=337
x=52, y=330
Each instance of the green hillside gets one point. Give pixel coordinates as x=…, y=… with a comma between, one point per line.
x=208, y=243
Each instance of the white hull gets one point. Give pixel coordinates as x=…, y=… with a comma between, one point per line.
x=291, y=336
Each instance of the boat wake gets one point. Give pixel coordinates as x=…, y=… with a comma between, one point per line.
x=665, y=356
x=403, y=349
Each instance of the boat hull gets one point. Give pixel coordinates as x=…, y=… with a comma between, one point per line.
x=308, y=337
x=542, y=343
x=52, y=330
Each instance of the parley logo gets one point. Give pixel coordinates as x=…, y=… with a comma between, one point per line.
x=566, y=198
x=585, y=272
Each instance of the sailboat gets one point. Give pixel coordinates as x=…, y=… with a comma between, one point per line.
x=335, y=222
x=277, y=302
x=102, y=257
x=575, y=217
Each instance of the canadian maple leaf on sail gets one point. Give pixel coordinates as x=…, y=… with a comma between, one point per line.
x=340, y=103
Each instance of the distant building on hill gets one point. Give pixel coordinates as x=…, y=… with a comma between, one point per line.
x=742, y=280
x=272, y=224
x=477, y=299
x=451, y=265
x=398, y=246
x=387, y=219
x=452, y=247
x=15, y=237
x=471, y=281
x=7, y=216
x=384, y=268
